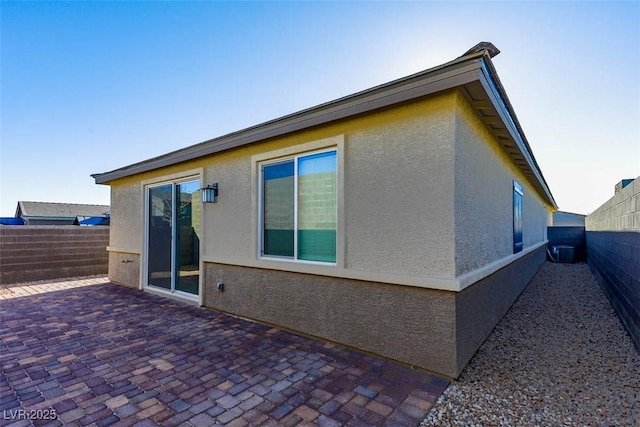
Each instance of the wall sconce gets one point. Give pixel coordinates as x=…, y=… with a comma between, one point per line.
x=209, y=193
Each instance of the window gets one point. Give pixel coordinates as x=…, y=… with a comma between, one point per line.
x=299, y=207
x=517, y=217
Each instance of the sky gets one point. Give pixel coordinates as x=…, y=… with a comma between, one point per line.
x=91, y=86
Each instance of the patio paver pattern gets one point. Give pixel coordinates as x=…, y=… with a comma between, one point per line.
x=108, y=355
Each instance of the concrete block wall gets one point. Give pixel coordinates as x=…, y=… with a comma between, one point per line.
x=44, y=252
x=613, y=246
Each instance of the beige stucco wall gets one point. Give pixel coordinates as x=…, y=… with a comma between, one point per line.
x=414, y=325
x=402, y=157
x=403, y=218
x=480, y=306
x=126, y=215
x=124, y=268
x=399, y=181
x=432, y=329
x=390, y=159
x=126, y=237
x=484, y=197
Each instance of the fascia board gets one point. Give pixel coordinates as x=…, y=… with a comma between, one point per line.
x=404, y=90
x=48, y=218
x=496, y=99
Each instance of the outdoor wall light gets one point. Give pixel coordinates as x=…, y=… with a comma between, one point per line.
x=209, y=193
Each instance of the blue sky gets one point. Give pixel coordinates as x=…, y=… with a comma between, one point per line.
x=88, y=87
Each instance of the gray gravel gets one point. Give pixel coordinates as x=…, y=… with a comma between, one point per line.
x=560, y=357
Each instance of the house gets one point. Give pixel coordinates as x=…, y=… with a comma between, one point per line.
x=568, y=219
x=566, y=237
x=403, y=220
x=44, y=213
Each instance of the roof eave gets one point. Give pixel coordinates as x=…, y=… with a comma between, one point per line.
x=48, y=218
x=497, y=95
x=437, y=79
x=474, y=67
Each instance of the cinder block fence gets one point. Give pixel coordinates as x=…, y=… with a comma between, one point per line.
x=43, y=252
x=613, y=244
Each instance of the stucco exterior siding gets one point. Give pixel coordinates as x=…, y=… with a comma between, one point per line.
x=399, y=181
x=432, y=329
x=127, y=206
x=390, y=159
x=432, y=240
x=484, y=176
x=412, y=179
x=404, y=323
x=480, y=306
x=124, y=268
x=402, y=157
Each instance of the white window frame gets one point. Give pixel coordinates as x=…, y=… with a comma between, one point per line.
x=294, y=158
x=337, y=143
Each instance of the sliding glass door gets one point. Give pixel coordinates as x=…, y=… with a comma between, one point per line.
x=173, y=236
x=187, y=254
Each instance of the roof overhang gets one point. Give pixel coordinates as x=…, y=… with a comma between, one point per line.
x=488, y=98
x=47, y=218
x=473, y=73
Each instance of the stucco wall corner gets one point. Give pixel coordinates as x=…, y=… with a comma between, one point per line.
x=124, y=269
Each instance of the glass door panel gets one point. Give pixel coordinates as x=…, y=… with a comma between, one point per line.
x=159, y=235
x=173, y=245
x=187, y=252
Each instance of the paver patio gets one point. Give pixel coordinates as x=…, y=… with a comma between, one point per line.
x=94, y=353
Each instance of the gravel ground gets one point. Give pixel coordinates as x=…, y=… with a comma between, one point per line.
x=560, y=357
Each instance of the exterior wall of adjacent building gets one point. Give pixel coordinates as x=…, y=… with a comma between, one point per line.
x=393, y=289
x=568, y=229
x=568, y=219
x=613, y=251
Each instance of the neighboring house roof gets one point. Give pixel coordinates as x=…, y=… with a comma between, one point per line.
x=92, y=220
x=11, y=221
x=562, y=218
x=473, y=72
x=46, y=210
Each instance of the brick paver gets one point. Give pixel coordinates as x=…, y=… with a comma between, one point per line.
x=105, y=355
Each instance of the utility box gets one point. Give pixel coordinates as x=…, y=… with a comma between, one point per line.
x=564, y=253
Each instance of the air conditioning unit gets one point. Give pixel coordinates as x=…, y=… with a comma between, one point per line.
x=564, y=253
